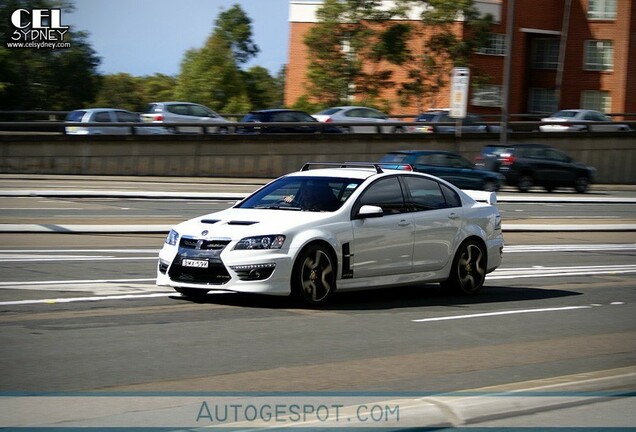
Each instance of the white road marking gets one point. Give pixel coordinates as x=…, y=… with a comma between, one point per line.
x=489, y=314
x=534, y=272
x=84, y=299
x=72, y=282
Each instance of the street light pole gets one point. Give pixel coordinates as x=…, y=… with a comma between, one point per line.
x=505, y=96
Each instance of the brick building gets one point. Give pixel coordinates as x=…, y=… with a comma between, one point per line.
x=585, y=48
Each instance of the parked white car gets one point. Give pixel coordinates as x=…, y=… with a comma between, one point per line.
x=358, y=114
x=554, y=123
x=346, y=226
x=78, y=118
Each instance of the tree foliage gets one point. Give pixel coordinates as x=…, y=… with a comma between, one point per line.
x=357, y=44
x=49, y=79
x=347, y=49
x=236, y=28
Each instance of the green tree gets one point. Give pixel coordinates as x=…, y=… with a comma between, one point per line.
x=157, y=88
x=347, y=48
x=120, y=91
x=264, y=90
x=210, y=76
x=236, y=28
x=449, y=46
x=49, y=79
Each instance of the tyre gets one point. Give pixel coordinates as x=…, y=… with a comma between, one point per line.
x=314, y=276
x=525, y=183
x=490, y=186
x=581, y=184
x=468, y=271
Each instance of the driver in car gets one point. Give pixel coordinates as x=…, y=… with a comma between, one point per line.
x=316, y=197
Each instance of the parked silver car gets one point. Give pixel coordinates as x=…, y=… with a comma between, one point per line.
x=107, y=115
x=184, y=112
x=355, y=114
x=554, y=123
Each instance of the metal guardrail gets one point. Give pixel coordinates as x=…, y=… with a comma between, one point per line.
x=239, y=128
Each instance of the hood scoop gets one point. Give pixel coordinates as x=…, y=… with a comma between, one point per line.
x=237, y=222
x=209, y=221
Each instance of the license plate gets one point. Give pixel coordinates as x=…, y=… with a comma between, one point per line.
x=194, y=263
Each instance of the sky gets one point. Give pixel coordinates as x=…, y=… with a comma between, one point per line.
x=144, y=37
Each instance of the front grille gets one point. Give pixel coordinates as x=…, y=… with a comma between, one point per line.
x=200, y=249
x=192, y=243
x=215, y=274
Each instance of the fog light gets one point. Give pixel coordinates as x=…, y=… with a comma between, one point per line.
x=253, y=272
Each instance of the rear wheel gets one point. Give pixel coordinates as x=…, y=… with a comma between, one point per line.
x=525, y=183
x=468, y=271
x=314, y=276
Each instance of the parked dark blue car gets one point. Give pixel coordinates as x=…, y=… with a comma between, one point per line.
x=284, y=120
x=449, y=166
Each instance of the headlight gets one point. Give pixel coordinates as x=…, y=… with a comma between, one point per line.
x=173, y=237
x=261, y=242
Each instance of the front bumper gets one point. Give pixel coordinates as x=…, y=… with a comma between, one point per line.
x=248, y=271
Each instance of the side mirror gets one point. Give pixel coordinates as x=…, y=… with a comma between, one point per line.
x=369, y=211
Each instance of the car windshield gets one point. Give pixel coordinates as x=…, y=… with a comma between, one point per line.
x=318, y=194
x=393, y=158
x=426, y=117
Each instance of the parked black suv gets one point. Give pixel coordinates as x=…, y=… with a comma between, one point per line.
x=528, y=165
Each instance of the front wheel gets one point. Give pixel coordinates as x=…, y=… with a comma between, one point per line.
x=314, y=276
x=468, y=271
x=581, y=184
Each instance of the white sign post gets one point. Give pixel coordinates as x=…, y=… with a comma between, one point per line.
x=459, y=96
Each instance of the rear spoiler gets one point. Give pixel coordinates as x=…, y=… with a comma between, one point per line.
x=482, y=196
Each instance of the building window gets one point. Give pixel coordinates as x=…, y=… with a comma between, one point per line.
x=601, y=10
x=545, y=53
x=596, y=100
x=487, y=95
x=542, y=100
x=496, y=45
x=599, y=55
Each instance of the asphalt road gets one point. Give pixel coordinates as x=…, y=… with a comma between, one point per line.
x=80, y=312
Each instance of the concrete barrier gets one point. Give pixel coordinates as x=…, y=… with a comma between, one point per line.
x=267, y=156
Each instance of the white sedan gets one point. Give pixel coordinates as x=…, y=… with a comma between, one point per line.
x=338, y=226
x=583, y=120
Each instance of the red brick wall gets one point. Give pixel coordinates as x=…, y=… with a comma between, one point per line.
x=533, y=16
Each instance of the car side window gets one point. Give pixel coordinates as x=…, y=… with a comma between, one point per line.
x=126, y=117
x=452, y=198
x=178, y=109
x=102, y=117
x=425, y=194
x=198, y=111
x=385, y=193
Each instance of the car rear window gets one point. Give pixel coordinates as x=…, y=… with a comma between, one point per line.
x=152, y=108
x=75, y=116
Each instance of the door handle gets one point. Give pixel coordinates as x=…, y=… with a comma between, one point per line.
x=403, y=223
x=453, y=216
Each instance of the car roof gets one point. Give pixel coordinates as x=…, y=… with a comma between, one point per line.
x=418, y=152
x=274, y=110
